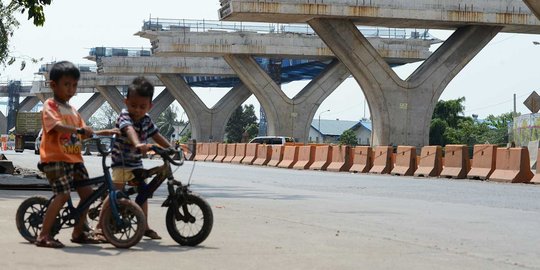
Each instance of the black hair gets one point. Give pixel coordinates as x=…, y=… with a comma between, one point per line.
x=64, y=68
x=141, y=87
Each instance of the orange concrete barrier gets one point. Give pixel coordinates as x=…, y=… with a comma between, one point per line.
x=251, y=153
x=240, y=153
x=342, y=158
x=483, y=163
x=202, y=152
x=430, y=161
x=212, y=152
x=290, y=156
x=405, y=161
x=456, y=161
x=276, y=155
x=512, y=165
x=221, y=152
x=382, y=160
x=362, y=159
x=323, y=157
x=264, y=153
x=231, y=150
x=306, y=157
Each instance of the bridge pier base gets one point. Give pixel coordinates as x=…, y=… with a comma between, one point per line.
x=401, y=110
x=286, y=116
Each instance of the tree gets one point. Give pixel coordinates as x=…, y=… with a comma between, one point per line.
x=446, y=115
x=348, y=137
x=8, y=23
x=104, y=118
x=242, y=119
x=167, y=121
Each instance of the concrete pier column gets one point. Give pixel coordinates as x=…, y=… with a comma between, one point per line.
x=3, y=123
x=91, y=106
x=401, y=110
x=534, y=5
x=113, y=96
x=160, y=104
x=286, y=116
x=207, y=124
x=44, y=96
x=28, y=103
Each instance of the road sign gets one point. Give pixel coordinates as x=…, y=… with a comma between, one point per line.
x=533, y=102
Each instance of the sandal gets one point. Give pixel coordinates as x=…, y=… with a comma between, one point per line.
x=98, y=235
x=49, y=243
x=85, y=238
x=152, y=234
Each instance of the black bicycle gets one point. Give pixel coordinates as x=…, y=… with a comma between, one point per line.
x=189, y=217
x=123, y=225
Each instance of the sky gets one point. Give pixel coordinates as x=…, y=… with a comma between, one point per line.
x=508, y=65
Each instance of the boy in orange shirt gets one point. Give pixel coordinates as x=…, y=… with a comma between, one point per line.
x=60, y=151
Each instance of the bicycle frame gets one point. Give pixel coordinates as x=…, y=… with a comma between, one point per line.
x=70, y=212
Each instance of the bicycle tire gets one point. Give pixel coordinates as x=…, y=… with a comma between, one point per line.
x=135, y=224
x=29, y=217
x=181, y=230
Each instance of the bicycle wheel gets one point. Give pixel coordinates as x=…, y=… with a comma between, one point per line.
x=130, y=231
x=29, y=217
x=194, y=223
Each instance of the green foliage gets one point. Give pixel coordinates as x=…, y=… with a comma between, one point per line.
x=166, y=121
x=8, y=24
x=348, y=137
x=185, y=137
x=104, y=118
x=242, y=119
x=449, y=126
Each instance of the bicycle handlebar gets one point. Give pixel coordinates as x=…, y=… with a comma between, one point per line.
x=100, y=146
x=166, y=153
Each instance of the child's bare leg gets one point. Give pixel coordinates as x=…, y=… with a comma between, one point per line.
x=84, y=193
x=50, y=216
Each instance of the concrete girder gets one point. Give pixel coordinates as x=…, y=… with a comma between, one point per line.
x=401, y=110
x=43, y=96
x=534, y=5
x=113, y=96
x=91, y=106
x=206, y=124
x=514, y=16
x=28, y=103
x=281, y=45
x=288, y=117
x=161, y=103
x=214, y=66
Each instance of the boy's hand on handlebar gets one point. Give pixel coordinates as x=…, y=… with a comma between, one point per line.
x=143, y=147
x=88, y=131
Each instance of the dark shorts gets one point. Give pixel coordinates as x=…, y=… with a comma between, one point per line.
x=61, y=175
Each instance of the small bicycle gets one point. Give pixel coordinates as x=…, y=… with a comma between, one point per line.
x=189, y=217
x=123, y=225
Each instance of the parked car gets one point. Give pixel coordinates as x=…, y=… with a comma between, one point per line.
x=38, y=142
x=273, y=140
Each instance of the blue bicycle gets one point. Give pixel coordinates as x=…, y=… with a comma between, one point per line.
x=123, y=225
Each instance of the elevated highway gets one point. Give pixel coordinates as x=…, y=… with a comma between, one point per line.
x=401, y=110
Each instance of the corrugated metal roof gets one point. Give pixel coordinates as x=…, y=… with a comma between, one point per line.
x=337, y=127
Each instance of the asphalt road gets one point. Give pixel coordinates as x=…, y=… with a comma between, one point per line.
x=273, y=218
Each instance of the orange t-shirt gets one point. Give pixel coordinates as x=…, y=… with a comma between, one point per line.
x=56, y=146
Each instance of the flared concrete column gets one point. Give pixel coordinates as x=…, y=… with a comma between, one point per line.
x=28, y=103
x=3, y=124
x=534, y=5
x=91, y=106
x=207, y=124
x=286, y=116
x=113, y=96
x=160, y=104
x=401, y=110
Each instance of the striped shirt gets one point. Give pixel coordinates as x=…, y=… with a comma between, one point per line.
x=124, y=153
